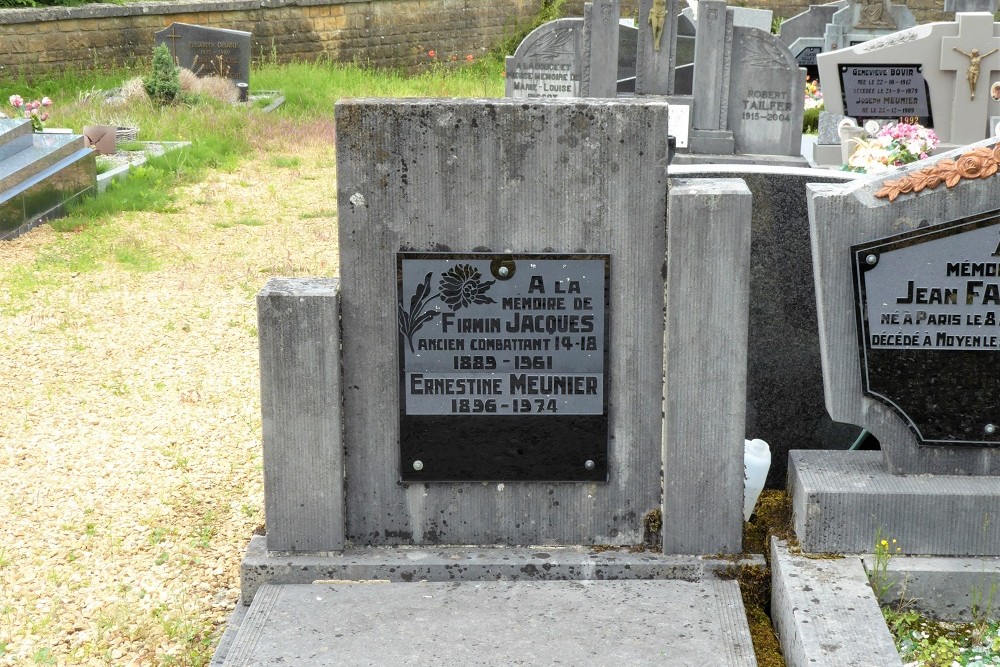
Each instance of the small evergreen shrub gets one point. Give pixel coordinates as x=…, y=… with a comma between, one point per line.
x=164, y=83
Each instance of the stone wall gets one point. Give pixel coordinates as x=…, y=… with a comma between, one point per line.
x=381, y=33
x=924, y=10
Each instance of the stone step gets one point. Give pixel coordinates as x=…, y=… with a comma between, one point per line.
x=45, y=151
x=825, y=613
x=450, y=563
x=15, y=136
x=665, y=622
x=843, y=500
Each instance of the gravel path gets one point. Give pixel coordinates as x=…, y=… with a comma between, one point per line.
x=130, y=457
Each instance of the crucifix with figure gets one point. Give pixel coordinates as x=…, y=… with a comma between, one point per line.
x=973, y=54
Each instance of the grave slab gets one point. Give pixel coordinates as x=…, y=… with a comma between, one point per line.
x=825, y=613
x=842, y=500
x=496, y=623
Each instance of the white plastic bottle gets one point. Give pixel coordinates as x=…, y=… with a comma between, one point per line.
x=756, y=463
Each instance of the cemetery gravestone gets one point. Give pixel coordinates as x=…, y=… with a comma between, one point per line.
x=922, y=73
x=205, y=51
x=548, y=62
x=600, y=48
x=959, y=6
x=749, y=87
x=657, y=50
x=909, y=302
x=864, y=20
x=766, y=104
x=803, y=33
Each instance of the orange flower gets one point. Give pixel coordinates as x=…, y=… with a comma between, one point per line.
x=469, y=58
x=971, y=165
x=431, y=54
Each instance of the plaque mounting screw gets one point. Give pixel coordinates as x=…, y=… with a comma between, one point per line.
x=990, y=429
x=418, y=465
x=589, y=465
x=870, y=260
x=503, y=271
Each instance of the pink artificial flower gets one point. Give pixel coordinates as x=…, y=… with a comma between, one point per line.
x=46, y=102
x=45, y=116
x=16, y=101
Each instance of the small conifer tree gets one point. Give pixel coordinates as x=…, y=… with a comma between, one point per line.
x=164, y=83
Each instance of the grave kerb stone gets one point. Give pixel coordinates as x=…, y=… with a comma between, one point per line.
x=708, y=267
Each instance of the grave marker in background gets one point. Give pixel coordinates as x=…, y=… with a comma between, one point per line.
x=548, y=62
x=918, y=72
x=657, y=50
x=204, y=51
x=600, y=48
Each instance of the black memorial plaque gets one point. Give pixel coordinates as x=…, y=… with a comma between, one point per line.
x=807, y=56
x=886, y=91
x=928, y=309
x=503, y=364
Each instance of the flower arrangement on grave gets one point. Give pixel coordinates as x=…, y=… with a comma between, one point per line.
x=34, y=110
x=892, y=146
x=814, y=96
x=813, y=105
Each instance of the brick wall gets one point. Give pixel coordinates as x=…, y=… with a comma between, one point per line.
x=382, y=33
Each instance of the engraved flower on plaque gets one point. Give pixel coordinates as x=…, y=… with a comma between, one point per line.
x=462, y=286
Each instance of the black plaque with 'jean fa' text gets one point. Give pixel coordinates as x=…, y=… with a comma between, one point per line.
x=928, y=308
x=503, y=367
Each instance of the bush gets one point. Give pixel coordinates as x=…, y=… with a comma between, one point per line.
x=810, y=121
x=164, y=83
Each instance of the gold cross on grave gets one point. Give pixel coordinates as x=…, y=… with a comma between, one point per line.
x=973, y=55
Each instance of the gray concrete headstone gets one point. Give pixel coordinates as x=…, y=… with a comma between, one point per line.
x=765, y=95
x=548, y=62
x=846, y=216
x=527, y=176
x=707, y=272
x=810, y=23
x=657, y=50
x=205, y=51
x=299, y=329
x=712, y=65
x=600, y=48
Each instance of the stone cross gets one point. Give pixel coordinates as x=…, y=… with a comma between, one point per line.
x=973, y=55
